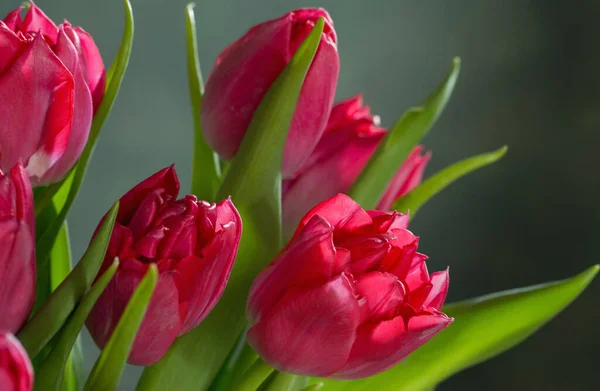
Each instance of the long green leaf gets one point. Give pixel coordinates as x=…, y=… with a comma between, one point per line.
x=483, y=327
x=399, y=142
x=51, y=316
x=206, y=169
x=46, y=241
x=254, y=182
x=109, y=367
x=50, y=376
x=421, y=194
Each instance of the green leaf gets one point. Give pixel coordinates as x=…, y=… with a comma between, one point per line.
x=254, y=182
x=206, y=169
x=483, y=328
x=50, y=375
x=51, y=316
x=254, y=376
x=420, y=195
x=283, y=381
x=46, y=240
x=400, y=141
x=109, y=367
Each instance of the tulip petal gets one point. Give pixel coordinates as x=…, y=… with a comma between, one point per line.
x=440, y=282
x=382, y=345
x=383, y=291
x=92, y=64
x=161, y=323
x=10, y=45
x=66, y=51
x=164, y=179
x=16, y=371
x=16, y=197
x=13, y=19
x=309, y=259
x=37, y=104
x=408, y=176
x=341, y=212
x=36, y=20
x=17, y=274
x=309, y=332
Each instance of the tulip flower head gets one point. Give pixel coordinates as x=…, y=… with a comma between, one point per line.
x=51, y=80
x=348, y=297
x=350, y=139
x=246, y=69
x=17, y=249
x=193, y=244
x=16, y=372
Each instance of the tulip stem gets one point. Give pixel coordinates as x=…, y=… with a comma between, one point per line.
x=254, y=376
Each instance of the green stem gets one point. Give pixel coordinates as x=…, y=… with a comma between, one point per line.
x=287, y=382
x=254, y=376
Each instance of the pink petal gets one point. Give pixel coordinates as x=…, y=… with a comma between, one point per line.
x=82, y=112
x=340, y=211
x=310, y=258
x=207, y=277
x=408, y=176
x=16, y=197
x=92, y=64
x=10, y=45
x=161, y=323
x=13, y=19
x=17, y=274
x=16, y=371
x=381, y=346
x=36, y=20
x=384, y=293
x=309, y=332
x=440, y=282
x=36, y=109
x=164, y=179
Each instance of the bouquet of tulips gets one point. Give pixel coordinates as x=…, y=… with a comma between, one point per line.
x=290, y=265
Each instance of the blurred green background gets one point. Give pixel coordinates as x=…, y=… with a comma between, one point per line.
x=529, y=80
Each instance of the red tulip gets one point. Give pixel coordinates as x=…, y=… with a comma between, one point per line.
x=16, y=372
x=245, y=70
x=193, y=243
x=17, y=249
x=350, y=139
x=348, y=297
x=51, y=79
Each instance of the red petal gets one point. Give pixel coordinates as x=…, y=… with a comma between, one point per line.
x=164, y=179
x=35, y=112
x=381, y=346
x=309, y=332
x=82, y=110
x=36, y=20
x=384, y=293
x=310, y=258
x=10, y=45
x=17, y=274
x=92, y=64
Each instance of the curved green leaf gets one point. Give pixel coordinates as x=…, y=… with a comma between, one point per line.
x=45, y=241
x=400, y=141
x=206, y=168
x=483, y=328
x=421, y=194
x=254, y=183
x=56, y=309
x=109, y=367
x=50, y=375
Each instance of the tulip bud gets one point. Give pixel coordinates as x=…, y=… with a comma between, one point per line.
x=17, y=249
x=193, y=244
x=16, y=372
x=350, y=139
x=348, y=297
x=45, y=120
x=245, y=70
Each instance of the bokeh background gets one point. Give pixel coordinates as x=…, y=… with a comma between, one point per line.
x=529, y=80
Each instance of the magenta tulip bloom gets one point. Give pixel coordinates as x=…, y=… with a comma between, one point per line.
x=350, y=139
x=245, y=70
x=51, y=79
x=17, y=249
x=348, y=297
x=193, y=244
x=16, y=372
